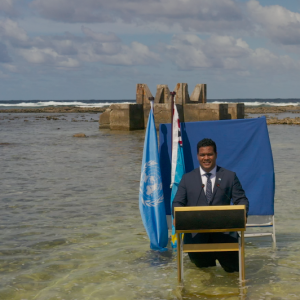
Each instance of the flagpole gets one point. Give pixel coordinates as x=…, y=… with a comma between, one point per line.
x=151, y=99
x=177, y=160
x=172, y=113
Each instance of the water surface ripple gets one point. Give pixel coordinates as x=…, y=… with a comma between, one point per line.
x=70, y=226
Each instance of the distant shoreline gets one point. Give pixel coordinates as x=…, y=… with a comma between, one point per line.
x=272, y=109
x=77, y=109
x=249, y=110
x=56, y=109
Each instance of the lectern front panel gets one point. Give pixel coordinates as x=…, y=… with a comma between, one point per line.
x=219, y=218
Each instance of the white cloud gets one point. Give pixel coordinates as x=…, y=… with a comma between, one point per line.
x=37, y=56
x=10, y=30
x=220, y=17
x=71, y=51
x=198, y=16
x=275, y=22
x=4, y=56
x=189, y=52
x=135, y=54
x=119, y=54
x=72, y=10
x=201, y=15
x=108, y=49
x=215, y=37
x=10, y=67
x=100, y=37
x=47, y=56
x=8, y=7
x=3, y=75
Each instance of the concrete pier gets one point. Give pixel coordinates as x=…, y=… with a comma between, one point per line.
x=126, y=116
x=190, y=108
x=236, y=110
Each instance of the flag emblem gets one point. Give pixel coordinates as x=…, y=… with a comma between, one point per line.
x=151, y=190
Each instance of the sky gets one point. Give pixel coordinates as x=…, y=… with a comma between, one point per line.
x=100, y=49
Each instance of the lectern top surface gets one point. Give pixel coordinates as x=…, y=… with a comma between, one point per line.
x=217, y=207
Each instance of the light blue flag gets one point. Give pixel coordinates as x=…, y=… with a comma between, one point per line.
x=179, y=171
x=178, y=167
x=151, y=197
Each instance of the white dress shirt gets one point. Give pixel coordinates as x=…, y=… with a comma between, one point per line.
x=212, y=178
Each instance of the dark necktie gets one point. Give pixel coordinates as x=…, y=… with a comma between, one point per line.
x=208, y=188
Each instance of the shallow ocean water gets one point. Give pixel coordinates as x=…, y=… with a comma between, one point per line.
x=70, y=226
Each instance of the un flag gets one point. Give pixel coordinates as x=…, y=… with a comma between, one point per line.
x=151, y=197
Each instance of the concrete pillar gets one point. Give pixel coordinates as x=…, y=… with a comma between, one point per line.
x=104, y=119
x=159, y=97
x=162, y=113
x=142, y=97
x=139, y=93
x=162, y=94
x=205, y=112
x=142, y=94
x=199, y=94
x=236, y=110
x=182, y=94
x=126, y=117
x=162, y=99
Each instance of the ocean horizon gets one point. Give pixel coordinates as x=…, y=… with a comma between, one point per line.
x=21, y=104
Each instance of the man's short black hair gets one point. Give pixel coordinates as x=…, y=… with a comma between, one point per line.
x=206, y=143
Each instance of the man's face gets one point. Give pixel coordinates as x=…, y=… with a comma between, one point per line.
x=207, y=158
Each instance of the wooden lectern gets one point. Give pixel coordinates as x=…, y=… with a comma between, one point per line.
x=199, y=219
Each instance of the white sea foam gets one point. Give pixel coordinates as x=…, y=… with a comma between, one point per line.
x=256, y=103
x=55, y=103
x=97, y=104
x=101, y=104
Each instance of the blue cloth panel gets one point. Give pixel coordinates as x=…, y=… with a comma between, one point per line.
x=243, y=146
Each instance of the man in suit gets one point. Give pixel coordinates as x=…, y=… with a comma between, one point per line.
x=211, y=185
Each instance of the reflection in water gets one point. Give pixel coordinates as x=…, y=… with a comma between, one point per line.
x=71, y=229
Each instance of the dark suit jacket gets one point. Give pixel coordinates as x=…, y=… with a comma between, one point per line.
x=227, y=188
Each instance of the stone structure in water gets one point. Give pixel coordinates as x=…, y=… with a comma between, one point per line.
x=190, y=108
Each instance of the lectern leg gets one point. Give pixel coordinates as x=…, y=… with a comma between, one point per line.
x=179, y=258
x=242, y=257
x=181, y=255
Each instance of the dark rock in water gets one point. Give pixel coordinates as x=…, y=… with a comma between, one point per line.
x=285, y=121
x=81, y=135
x=272, y=109
x=51, y=118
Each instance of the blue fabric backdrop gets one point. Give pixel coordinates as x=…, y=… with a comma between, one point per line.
x=243, y=146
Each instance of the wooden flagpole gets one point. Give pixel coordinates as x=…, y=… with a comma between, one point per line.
x=172, y=113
